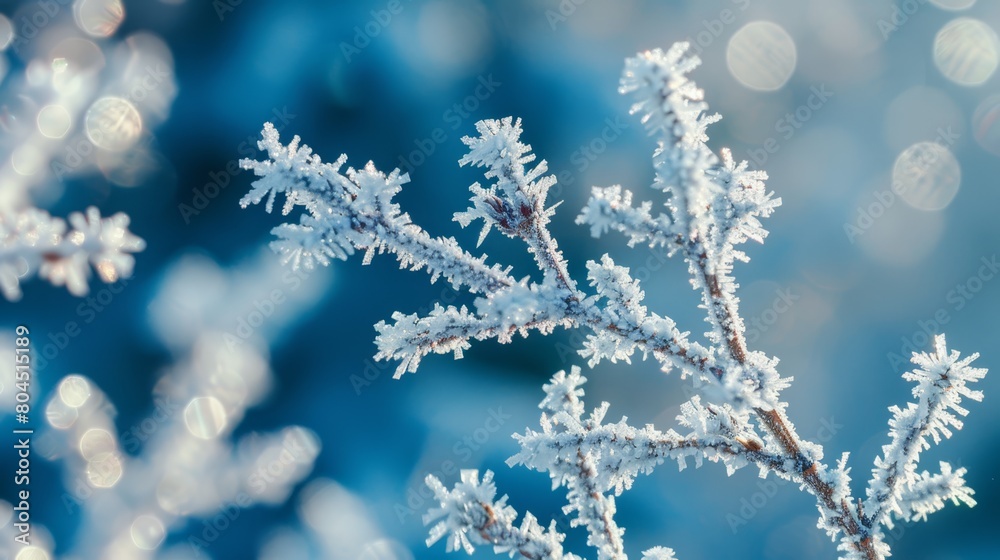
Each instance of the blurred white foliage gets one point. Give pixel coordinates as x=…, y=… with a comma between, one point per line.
x=133, y=486
x=254, y=300
x=34, y=243
x=73, y=101
x=713, y=206
x=335, y=525
x=187, y=468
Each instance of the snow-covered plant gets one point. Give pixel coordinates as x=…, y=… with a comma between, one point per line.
x=187, y=469
x=73, y=101
x=713, y=206
x=333, y=524
x=177, y=470
x=33, y=242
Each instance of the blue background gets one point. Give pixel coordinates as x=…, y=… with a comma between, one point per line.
x=855, y=304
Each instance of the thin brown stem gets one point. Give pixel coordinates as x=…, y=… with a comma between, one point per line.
x=778, y=425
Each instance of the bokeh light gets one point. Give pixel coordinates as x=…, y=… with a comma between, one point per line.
x=113, y=123
x=953, y=5
x=172, y=493
x=205, y=417
x=98, y=18
x=761, y=56
x=104, y=470
x=986, y=124
x=74, y=390
x=6, y=32
x=77, y=55
x=96, y=442
x=59, y=415
x=337, y=515
x=967, y=51
x=147, y=532
x=32, y=552
x=27, y=160
x=91, y=104
x=927, y=176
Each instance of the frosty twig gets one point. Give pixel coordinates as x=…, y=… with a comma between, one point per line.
x=713, y=205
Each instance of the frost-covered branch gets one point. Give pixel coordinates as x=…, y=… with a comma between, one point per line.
x=32, y=242
x=520, y=210
x=593, y=459
x=470, y=515
x=575, y=465
x=713, y=206
x=611, y=209
x=351, y=211
x=449, y=329
x=896, y=487
x=622, y=452
x=589, y=458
